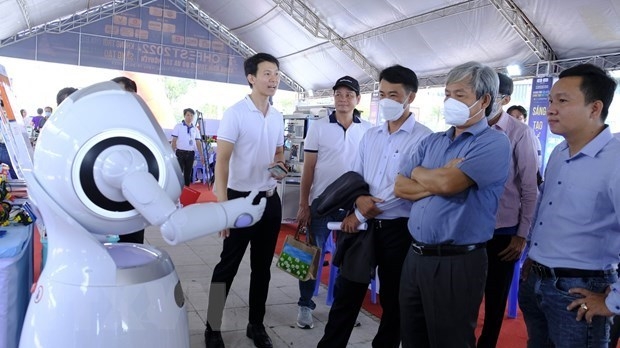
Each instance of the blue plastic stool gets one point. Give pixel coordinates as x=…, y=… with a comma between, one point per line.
x=199, y=167
x=330, y=247
x=513, y=295
x=373, y=290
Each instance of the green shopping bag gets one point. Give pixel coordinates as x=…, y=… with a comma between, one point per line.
x=298, y=258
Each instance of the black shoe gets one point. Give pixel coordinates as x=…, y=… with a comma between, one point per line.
x=259, y=335
x=213, y=339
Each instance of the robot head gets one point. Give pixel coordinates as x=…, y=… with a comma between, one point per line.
x=98, y=135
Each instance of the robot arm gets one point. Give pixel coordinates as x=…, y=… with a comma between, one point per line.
x=194, y=221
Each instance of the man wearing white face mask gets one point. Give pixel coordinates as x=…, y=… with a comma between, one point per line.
x=514, y=216
x=454, y=179
x=380, y=151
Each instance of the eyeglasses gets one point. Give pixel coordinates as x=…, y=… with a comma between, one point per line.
x=348, y=95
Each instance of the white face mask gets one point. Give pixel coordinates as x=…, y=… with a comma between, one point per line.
x=456, y=113
x=497, y=106
x=391, y=110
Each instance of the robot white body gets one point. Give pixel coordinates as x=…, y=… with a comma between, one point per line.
x=103, y=166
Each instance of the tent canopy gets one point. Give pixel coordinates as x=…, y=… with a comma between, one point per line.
x=318, y=41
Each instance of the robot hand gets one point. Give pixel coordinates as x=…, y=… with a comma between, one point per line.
x=194, y=221
x=242, y=210
x=199, y=220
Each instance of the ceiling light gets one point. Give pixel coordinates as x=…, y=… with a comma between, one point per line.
x=513, y=70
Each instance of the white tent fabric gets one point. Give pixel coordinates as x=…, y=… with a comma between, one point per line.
x=429, y=36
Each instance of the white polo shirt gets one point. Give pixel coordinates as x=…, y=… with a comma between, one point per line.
x=336, y=149
x=186, y=138
x=256, y=138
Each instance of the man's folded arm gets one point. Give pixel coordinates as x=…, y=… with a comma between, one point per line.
x=442, y=181
x=409, y=189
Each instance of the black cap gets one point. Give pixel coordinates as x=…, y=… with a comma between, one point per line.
x=349, y=82
x=505, y=84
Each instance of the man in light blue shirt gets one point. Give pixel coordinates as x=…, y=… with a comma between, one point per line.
x=455, y=180
x=575, y=238
x=380, y=151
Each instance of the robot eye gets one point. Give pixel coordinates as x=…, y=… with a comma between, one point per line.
x=87, y=173
x=244, y=220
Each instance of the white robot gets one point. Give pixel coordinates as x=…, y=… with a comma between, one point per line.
x=102, y=165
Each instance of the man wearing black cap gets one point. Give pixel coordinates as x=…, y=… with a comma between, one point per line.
x=514, y=215
x=330, y=149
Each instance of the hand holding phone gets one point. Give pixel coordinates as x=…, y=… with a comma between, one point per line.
x=277, y=171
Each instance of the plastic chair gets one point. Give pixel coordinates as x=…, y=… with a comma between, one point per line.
x=513, y=295
x=330, y=247
x=198, y=167
x=373, y=290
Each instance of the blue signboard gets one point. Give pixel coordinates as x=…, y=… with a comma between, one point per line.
x=154, y=39
x=541, y=86
x=143, y=57
x=196, y=36
x=236, y=72
x=102, y=52
x=58, y=48
x=25, y=49
x=173, y=28
x=180, y=62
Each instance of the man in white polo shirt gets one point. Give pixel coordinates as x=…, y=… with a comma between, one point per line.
x=330, y=149
x=250, y=140
x=185, y=139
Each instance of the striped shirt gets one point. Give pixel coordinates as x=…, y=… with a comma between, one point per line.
x=380, y=156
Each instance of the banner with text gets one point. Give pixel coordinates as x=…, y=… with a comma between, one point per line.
x=541, y=86
x=155, y=39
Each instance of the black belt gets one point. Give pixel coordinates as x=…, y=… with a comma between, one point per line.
x=547, y=272
x=185, y=150
x=444, y=249
x=267, y=193
x=387, y=223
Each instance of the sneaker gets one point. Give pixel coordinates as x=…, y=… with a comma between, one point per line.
x=304, y=318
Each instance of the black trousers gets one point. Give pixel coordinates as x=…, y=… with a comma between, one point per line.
x=439, y=299
x=186, y=161
x=392, y=240
x=263, y=237
x=496, y=290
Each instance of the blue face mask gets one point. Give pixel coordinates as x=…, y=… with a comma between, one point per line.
x=47, y=114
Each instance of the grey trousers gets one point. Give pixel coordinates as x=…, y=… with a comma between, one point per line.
x=439, y=299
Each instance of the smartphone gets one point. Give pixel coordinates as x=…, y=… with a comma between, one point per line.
x=277, y=171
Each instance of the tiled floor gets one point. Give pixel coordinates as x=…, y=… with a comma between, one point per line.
x=194, y=262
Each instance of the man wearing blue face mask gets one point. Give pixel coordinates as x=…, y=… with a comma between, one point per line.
x=46, y=116
x=454, y=179
x=378, y=160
